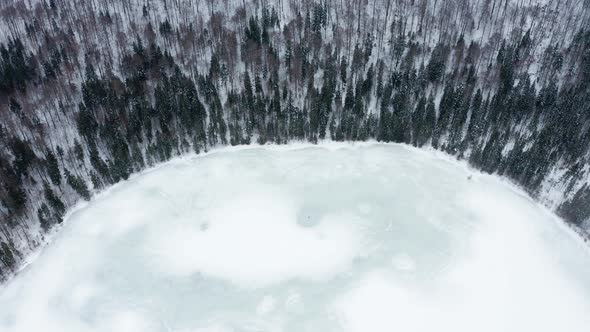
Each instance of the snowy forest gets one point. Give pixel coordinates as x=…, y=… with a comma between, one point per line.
x=92, y=91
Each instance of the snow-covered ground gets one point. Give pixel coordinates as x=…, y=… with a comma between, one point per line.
x=345, y=237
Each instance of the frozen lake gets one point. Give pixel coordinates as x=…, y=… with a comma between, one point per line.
x=369, y=238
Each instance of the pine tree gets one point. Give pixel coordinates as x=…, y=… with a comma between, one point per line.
x=78, y=185
x=23, y=156
x=7, y=256
x=54, y=201
x=53, y=168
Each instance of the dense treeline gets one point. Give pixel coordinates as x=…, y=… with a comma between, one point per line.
x=488, y=81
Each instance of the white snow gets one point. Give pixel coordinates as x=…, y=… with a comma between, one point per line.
x=256, y=240
x=336, y=237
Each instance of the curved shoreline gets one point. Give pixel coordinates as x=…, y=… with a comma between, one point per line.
x=576, y=234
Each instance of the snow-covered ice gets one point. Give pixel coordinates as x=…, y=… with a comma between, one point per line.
x=341, y=237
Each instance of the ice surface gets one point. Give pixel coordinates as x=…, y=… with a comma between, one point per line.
x=330, y=238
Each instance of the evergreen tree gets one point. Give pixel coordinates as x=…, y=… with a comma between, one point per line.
x=53, y=168
x=23, y=156
x=7, y=256
x=78, y=185
x=54, y=202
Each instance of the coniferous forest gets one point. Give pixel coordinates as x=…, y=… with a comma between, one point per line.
x=92, y=91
